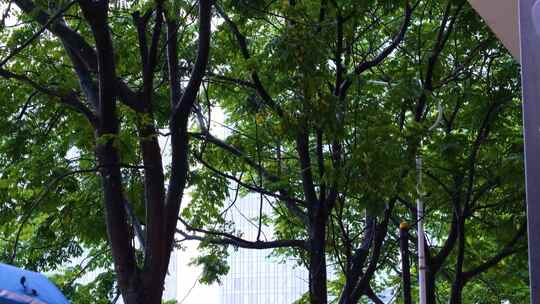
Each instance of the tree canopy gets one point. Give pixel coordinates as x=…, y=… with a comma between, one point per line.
x=113, y=112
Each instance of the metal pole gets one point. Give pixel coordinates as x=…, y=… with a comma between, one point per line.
x=530, y=67
x=422, y=263
x=420, y=233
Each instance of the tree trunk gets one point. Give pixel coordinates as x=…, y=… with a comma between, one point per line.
x=140, y=293
x=355, y=263
x=405, y=262
x=430, y=286
x=457, y=285
x=317, y=258
x=136, y=286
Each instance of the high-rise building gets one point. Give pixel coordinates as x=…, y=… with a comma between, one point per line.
x=255, y=276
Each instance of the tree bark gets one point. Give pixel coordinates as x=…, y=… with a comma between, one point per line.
x=430, y=286
x=355, y=263
x=317, y=258
x=457, y=285
x=181, y=111
x=129, y=278
x=405, y=262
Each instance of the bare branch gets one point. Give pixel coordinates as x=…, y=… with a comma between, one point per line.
x=246, y=185
x=291, y=203
x=223, y=238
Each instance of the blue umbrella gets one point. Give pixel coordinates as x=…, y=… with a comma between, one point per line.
x=19, y=286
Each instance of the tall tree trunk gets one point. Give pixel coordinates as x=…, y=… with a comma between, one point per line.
x=405, y=262
x=430, y=286
x=317, y=258
x=457, y=285
x=133, y=285
x=355, y=262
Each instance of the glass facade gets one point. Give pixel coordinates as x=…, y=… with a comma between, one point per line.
x=255, y=277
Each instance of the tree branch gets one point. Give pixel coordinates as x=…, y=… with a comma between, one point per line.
x=242, y=43
x=35, y=204
x=45, y=26
x=69, y=99
x=398, y=38
x=507, y=250
x=223, y=238
x=178, y=125
x=291, y=203
x=78, y=45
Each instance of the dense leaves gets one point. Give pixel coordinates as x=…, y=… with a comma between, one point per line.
x=318, y=107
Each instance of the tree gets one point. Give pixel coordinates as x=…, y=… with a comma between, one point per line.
x=300, y=145
x=472, y=159
x=473, y=162
x=116, y=87
x=328, y=104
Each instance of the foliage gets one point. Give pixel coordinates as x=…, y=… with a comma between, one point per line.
x=280, y=73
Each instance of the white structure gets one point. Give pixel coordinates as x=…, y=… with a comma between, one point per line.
x=502, y=17
x=255, y=277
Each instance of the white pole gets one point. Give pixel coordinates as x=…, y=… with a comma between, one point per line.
x=422, y=267
x=420, y=233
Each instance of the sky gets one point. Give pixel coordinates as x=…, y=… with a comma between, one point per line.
x=187, y=288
